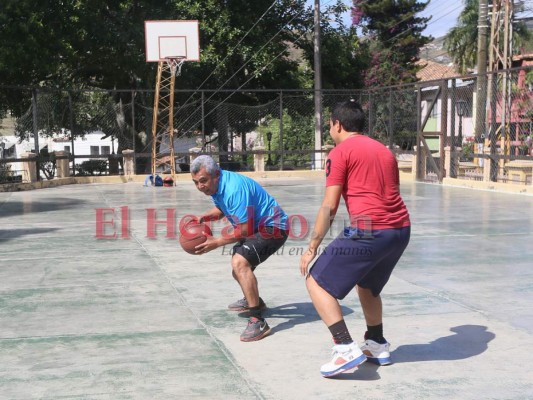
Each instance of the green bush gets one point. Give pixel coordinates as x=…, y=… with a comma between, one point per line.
x=92, y=167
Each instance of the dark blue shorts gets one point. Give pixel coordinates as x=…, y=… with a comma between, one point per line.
x=361, y=258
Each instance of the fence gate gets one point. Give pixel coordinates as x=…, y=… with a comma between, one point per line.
x=430, y=161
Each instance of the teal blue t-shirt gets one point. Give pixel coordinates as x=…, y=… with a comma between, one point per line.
x=241, y=198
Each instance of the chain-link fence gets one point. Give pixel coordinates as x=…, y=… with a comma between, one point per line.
x=486, y=124
x=418, y=121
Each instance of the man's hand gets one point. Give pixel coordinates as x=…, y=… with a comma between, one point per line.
x=306, y=259
x=211, y=243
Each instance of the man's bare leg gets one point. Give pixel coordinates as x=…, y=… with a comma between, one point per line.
x=243, y=274
x=326, y=305
x=371, y=305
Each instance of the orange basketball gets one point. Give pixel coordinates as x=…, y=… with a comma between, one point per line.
x=191, y=235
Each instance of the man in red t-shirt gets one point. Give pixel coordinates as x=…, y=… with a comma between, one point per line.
x=365, y=173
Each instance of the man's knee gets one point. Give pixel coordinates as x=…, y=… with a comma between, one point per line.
x=239, y=265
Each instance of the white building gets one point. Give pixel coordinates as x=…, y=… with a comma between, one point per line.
x=92, y=144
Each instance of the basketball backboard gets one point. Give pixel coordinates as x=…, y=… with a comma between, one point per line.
x=172, y=38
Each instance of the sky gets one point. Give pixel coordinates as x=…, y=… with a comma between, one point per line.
x=444, y=12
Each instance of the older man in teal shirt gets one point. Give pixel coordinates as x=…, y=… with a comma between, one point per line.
x=259, y=230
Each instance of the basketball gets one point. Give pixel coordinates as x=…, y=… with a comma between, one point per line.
x=191, y=235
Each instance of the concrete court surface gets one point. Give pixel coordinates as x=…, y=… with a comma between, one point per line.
x=137, y=318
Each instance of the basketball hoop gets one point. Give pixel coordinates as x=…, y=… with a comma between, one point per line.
x=175, y=63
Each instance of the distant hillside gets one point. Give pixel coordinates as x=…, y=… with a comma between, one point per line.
x=435, y=51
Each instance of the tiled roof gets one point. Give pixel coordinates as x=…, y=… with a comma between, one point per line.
x=523, y=57
x=432, y=71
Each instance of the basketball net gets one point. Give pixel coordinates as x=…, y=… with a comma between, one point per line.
x=175, y=63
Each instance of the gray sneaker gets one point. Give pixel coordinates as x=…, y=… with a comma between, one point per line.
x=255, y=330
x=242, y=305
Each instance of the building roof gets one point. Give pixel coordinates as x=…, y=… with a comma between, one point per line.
x=527, y=56
x=433, y=71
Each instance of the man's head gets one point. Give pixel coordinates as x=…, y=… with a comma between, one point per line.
x=350, y=115
x=205, y=174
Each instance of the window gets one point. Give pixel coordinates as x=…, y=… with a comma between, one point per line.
x=95, y=150
x=9, y=152
x=66, y=148
x=105, y=150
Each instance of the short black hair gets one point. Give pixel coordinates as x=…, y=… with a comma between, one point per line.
x=350, y=115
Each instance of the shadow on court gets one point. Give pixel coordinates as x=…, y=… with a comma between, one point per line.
x=14, y=234
x=16, y=208
x=468, y=341
x=365, y=372
x=296, y=314
x=94, y=319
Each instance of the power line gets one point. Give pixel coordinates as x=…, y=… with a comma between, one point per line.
x=255, y=74
x=250, y=59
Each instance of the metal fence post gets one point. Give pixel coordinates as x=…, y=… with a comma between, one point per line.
x=418, y=155
x=281, y=129
x=203, y=118
x=36, y=132
x=370, y=114
x=71, y=117
x=493, y=139
x=133, y=131
x=443, y=127
x=453, y=170
x=391, y=124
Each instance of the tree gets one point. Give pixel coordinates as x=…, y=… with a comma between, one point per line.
x=461, y=41
x=34, y=41
x=343, y=56
x=101, y=43
x=394, y=34
x=297, y=135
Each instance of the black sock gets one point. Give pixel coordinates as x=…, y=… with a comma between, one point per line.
x=340, y=333
x=375, y=333
x=256, y=312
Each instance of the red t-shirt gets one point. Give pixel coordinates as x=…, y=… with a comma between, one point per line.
x=368, y=174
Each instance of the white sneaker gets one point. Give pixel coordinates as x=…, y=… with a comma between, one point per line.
x=377, y=353
x=346, y=357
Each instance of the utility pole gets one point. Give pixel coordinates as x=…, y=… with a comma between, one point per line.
x=481, y=83
x=318, y=89
x=500, y=61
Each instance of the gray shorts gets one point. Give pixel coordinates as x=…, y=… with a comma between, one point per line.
x=261, y=245
x=358, y=258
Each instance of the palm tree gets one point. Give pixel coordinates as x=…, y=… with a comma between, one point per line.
x=461, y=41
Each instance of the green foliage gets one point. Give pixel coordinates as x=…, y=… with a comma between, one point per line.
x=396, y=38
x=6, y=175
x=467, y=151
x=47, y=163
x=298, y=134
x=91, y=111
x=387, y=120
x=529, y=78
x=462, y=40
x=92, y=167
x=34, y=41
x=343, y=55
x=101, y=43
